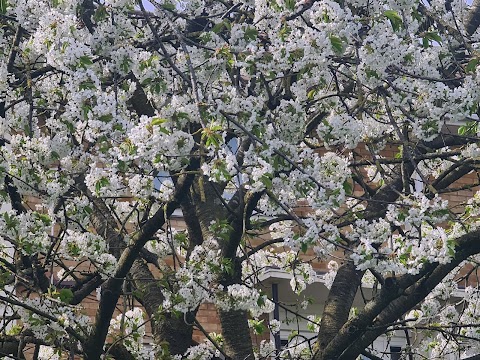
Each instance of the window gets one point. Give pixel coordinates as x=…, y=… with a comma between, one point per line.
x=395, y=352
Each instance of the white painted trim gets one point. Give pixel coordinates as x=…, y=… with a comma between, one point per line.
x=273, y=273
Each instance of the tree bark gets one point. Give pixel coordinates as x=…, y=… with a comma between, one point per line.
x=112, y=288
x=236, y=334
x=168, y=329
x=473, y=18
x=394, y=311
x=339, y=302
x=393, y=301
x=348, y=279
x=208, y=208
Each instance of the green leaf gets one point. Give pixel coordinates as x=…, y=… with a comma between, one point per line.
x=168, y=6
x=325, y=17
x=27, y=130
x=3, y=6
x=138, y=294
x=217, y=28
x=106, y=118
x=433, y=36
x=156, y=87
x=395, y=20
x=86, y=108
x=85, y=61
x=425, y=43
x=290, y=4
x=292, y=335
x=304, y=247
x=100, y=13
x=470, y=128
x=266, y=180
x=409, y=58
x=125, y=65
x=347, y=187
x=336, y=43
x=87, y=85
x=44, y=218
x=257, y=326
x=472, y=65
x=65, y=295
x=416, y=15
x=117, y=127
x=250, y=34
x=69, y=126
x=158, y=121
x=451, y=245
x=14, y=330
x=311, y=94
x=430, y=37
x=101, y=183
x=227, y=266
x=9, y=221
x=284, y=32
x=371, y=73
x=212, y=140
x=398, y=155
x=211, y=135
x=180, y=116
x=122, y=165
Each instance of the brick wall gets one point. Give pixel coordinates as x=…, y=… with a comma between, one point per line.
x=207, y=314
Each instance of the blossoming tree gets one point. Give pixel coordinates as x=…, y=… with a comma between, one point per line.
x=116, y=113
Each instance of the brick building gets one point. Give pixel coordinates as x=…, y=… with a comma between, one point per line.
x=275, y=282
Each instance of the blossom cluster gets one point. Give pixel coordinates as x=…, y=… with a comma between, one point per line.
x=111, y=115
x=129, y=327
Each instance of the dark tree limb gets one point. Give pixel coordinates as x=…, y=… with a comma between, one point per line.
x=87, y=9
x=348, y=278
x=86, y=288
x=112, y=288
x=169, y=329
x=473, y=18
x=394, y=300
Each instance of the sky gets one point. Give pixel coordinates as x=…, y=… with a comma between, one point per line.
x=148, y=5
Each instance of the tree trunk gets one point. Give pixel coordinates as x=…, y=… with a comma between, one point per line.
x=208, y=208
x=236, y=334
x=348, y=279
x=337, y=307
x=170, y=330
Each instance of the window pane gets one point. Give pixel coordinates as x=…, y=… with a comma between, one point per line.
x=395, y=352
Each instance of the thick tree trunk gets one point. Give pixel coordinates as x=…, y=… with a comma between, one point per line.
x=407, y=292
x=235, y=330
x=236, y=334
x=348, y=279
x=208, y=208
x=337, y=307
x=172, y=331
x=112, y=288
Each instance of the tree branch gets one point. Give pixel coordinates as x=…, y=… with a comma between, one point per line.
x=473, y=18
x=111, y=289
x=394, y=300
